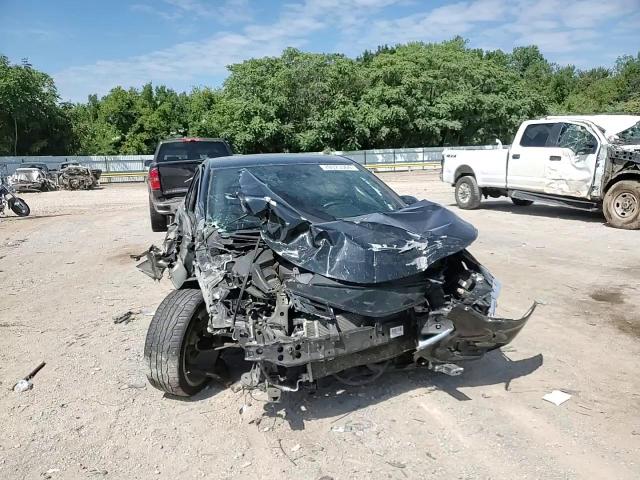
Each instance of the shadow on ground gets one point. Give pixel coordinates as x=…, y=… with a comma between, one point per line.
x=32, y=217
x=493, y=369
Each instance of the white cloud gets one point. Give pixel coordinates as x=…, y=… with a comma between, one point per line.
x=185, y=62
x=225, y=11
x=565, y=28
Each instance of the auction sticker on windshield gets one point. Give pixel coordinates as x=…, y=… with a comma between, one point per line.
x=336, y=168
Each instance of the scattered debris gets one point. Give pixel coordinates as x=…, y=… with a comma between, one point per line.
x=49, y=473
x=125, y=317
x=296, y=447
x=353, y=427
x=285, y=453
x=98, y=471
x=26, y=383
x=557, y=397
x=22, y=386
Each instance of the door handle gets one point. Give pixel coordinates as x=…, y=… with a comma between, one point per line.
x=515, y=156
x=555, y=158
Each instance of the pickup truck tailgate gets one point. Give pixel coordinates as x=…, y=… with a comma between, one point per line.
x=175, y=176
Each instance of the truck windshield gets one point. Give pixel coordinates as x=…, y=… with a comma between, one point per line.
x=630, y=136
x=191, y=150
x=328, y=192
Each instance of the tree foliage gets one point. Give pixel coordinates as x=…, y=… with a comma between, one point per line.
x=31, y=119
x=397, y=96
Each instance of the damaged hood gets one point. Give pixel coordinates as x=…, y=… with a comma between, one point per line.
x=610, y=124
x=372, y=248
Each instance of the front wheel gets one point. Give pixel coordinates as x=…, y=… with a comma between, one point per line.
x=621, y=205
x=19, y=206
x=468, y=194
x=178, y=350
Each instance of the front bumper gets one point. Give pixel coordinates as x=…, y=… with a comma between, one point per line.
x=465, y=334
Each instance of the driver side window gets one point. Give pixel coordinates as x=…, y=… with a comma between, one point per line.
x=577, y=138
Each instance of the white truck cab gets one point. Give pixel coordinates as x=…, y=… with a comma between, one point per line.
x=591, y=162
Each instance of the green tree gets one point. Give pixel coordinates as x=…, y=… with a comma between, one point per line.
x=31, y=120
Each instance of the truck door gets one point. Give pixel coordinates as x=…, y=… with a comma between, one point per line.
x=529, y=154
x=571, y=164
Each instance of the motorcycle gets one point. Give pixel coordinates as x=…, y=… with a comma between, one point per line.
x=16, y=204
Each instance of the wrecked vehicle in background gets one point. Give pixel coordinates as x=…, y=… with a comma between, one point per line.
x=32, y=179
x=586, y=162
x=315, y=268
x=73, y=176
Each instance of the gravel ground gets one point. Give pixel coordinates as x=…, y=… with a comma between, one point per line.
x=65, y=272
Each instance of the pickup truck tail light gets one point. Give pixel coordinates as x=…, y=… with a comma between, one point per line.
x=154, y=179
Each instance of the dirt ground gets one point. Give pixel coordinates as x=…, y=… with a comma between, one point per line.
x=65, y=272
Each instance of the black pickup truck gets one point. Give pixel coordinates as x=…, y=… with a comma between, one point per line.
x=171, y=171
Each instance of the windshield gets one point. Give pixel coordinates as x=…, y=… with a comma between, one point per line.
x=176, y=151
x=328, y=192
x=630, y=136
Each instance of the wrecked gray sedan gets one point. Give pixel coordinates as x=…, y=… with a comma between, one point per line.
x=315, y=268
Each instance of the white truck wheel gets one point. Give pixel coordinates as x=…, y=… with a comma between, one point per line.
x=468, y=194
x=621, y=205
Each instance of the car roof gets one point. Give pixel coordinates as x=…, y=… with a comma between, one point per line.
x=239, y=161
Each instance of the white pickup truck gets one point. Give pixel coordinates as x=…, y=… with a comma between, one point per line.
x=585, y=162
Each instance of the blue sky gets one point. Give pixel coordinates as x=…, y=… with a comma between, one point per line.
x=90, y=46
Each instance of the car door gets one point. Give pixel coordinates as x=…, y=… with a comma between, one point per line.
x=571, y=162
x=529, y=154
x=186, y=231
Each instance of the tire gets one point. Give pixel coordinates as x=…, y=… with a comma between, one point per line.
x=158, y=221
x=19, y=206
x=468, y=194
x=176, y=322
x=621, y=205
x=521, y=203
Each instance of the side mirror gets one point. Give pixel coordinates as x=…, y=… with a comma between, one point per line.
x=409, y=199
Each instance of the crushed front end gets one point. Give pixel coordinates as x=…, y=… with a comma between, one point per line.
x=348, y=298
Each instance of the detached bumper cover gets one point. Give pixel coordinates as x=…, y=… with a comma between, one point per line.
x=471, y=335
